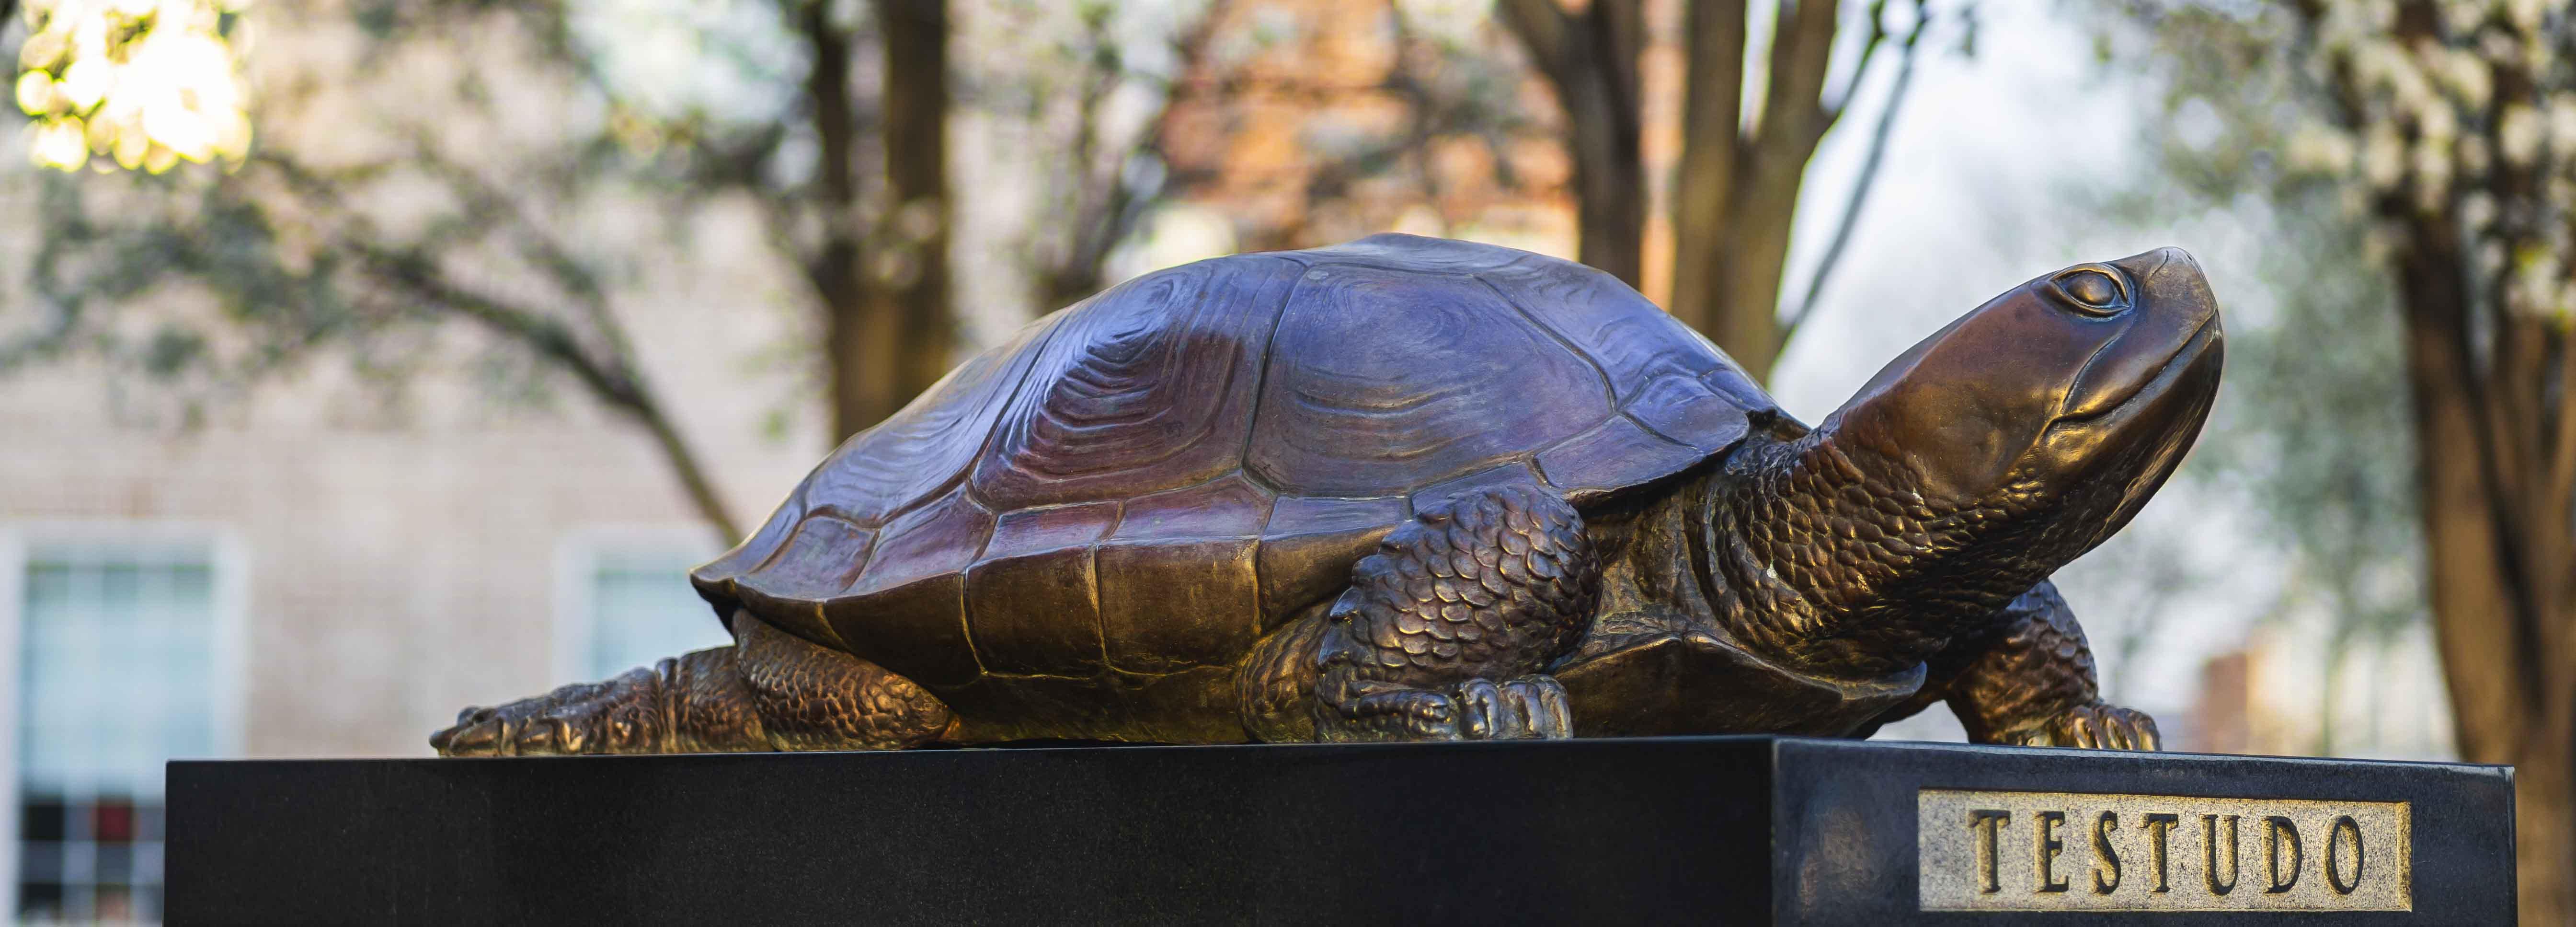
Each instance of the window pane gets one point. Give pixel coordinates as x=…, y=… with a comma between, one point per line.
x=642, y=609
x=115, y=651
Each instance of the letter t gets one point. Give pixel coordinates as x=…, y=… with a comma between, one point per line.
x=1988, y=819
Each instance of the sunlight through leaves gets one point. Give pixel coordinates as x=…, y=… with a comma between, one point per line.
x=141, y=84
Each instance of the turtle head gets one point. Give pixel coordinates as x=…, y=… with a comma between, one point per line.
x=2068, y=399
x=1972, y=467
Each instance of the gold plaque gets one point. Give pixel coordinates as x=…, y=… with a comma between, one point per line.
x=2069, y=851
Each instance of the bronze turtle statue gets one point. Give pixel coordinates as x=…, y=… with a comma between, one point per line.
x=1415, y=489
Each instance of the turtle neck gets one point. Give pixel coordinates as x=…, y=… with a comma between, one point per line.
x=1827, y=556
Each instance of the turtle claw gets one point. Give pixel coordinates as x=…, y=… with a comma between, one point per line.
x=549, y=735
x=2096, y=726
x=477, y=732
x=1528, y=708
x=1382, y=712
x=1415, y=715
x=621, y=715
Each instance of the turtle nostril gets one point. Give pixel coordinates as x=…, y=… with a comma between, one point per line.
x=2146, y=265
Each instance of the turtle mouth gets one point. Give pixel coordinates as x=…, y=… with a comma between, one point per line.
x=2132, y=447
x=2197, y=356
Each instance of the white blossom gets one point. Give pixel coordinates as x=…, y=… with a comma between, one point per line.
x=2461, y=16
x=2562, y=124
x=2526, y=14
x=2317, y=148
x=2382, y=241
x=2431, y=161
x=2536, y=285
x=2471, y=79
x=2477, y=211
x=2518, y=134
x=2437, y=124
x=2383, y=156
x=2474, y=154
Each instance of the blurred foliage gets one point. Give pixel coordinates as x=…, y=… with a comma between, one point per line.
x=438, y=180
x=2326, y=442
x=1084, y=93
x=2320, y=433
x=144, y=83
x=2427, y=150
x=2477, y=107
x=2314, y=431
x=416, y=206
x=1315, y=122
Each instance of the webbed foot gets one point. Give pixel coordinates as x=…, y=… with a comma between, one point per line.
x=2097, y=726
x=621, y=715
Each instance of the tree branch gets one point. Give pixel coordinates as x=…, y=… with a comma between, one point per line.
x=1712, y=142
x=639, y=398
x=1592, y=62
x=540, y=248
x=616, y=387
x=1091, y=194
x=1869, y=167
x=1104, y=217
x=1542, y=26
x=1802, y=45
x=2561, y=496
x=612, y=380
x=833, y=267
x=1869, y=47
x=1430, y=116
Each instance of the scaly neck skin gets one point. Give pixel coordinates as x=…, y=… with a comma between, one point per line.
x=1831, y=559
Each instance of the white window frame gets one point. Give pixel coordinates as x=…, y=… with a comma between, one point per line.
x=229, y=557
x=578, y=553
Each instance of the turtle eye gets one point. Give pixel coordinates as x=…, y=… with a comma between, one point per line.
x=2092, y=290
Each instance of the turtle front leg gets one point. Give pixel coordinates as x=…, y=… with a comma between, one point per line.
x=1445, y=631
x=771, y=690
x=2031, y=682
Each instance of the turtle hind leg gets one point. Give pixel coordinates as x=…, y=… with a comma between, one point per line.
x=810, y=697
x=769, y=691
x=1447, y=629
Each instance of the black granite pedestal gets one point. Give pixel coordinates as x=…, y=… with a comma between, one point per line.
x=1699, y=830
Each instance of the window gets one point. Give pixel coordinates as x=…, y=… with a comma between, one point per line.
x=118, y=645
x=626, y=602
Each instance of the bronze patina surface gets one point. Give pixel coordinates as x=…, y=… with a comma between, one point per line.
x=1415, y=489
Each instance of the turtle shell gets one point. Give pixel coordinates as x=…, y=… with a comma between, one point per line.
x=1147, y=481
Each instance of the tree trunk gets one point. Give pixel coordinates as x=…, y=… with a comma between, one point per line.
x=887, y=319
x=1745, y=248
x=1704, y=183
x=910, y=256
x=1591, y=59
x=1736, y=187
x=1740, y=308
x=2498, y=575
x=2493, y=382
